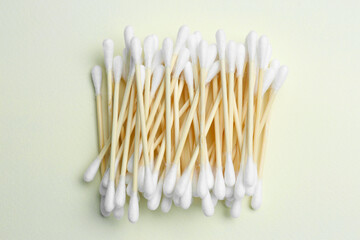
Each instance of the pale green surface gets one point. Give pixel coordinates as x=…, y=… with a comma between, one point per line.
x=48, y=125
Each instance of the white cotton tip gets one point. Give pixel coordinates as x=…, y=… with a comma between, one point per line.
x=102, y=190
x=251, y=40
x=189, y=77
x=211, y=55
x=132, y=67
x=176, y=200
x=256, y=199
x=120, y=195
x=207, y=205
x=149, y=186
x=128, y=178
x=198, y=36
x=249, y=191
x=249, y=174
x=231, y=56
x=275, y=64
x=103, y=212
x=128, y=35
x=105, y=179
x=280, y=78
x=118, y=212
x=239, y=189
x=214, y=199
x=129, y=188
x=149, y=50
x=268, y=55
x=155, y=177
x=157, y=60
x=202, y=53
x=96, y=76
x=170, y=180
x=117, y=68
x=186, y=198
x=194, y=184
x=229, y=171
x=240, y=59
x=183, y=182
x=110, y=197
x=181, y=61
x=269, y=76
x=141, y=178
x=229, y=192
x=136, y=50
x=130, y=164
x=92, y=170
x=182, y=35
x=262, y=51
x=221, y=43
x=213, y=71
x=202, y=186
x=229, y=202
x=154, y=202
x=133, y=213
x=156, y=79
x=166, y=204
x=155, y=41
x=192, y=46
x=142, y=76
x=236, y=208
x=108, y=47
x=209, y=175
x=124, y=67
x=167, y=51
x=219, y=187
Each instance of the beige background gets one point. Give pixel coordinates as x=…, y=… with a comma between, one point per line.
x=48, y=125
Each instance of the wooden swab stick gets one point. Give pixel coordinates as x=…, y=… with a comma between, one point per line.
x=275, y=86
x=263, y=47
x=110, y=193
x=221, y=43
x=96, y=74
x=250, y=169
x=108, y=47
x=149, y=50
x=167, y=56
x=136, y=54
x=120, y=192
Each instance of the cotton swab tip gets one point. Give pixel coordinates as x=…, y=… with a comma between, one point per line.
x=231, y=55
x=181, y=61
x=251, y=40
x=96, y=75
x=110, y=197
x=256, y=199
x=170, y=180
x=92, y=170
x=202, y=187
x=219, y=187
x=262, y=51
x=240, y=59
x=133, y=213
x=235, y=209
x=156, y=79
x=249, y=174
x=202, y=52
x=120, y=195
x=166, y=204
x=117, y=68
x=108, y=47
x=213, y=71
x=149, y=49
x=211, y=55
x=128, y=35
x=136, y=50
x=280, y=78
x=229, y=171
x=183, y=182
x=192, y=46
x=118, y=213
x=149, y=186
x=189, y=77
x=167, y=51
x=221, y=43
x=207, y=205
x=183, y=34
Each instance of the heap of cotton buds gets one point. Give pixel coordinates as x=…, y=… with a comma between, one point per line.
x=160, y=143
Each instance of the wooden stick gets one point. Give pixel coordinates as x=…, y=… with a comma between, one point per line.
x=216, y=128
x=168, y=116
x=100, y=131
